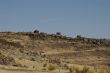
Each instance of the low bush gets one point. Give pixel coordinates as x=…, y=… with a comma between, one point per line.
x=51, y=67
x=87, y=69
x=82, y=69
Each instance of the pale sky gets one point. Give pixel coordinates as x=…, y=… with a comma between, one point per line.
x=90, y=18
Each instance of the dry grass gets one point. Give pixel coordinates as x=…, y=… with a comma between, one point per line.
x=57, y=50
x=102, y=69
x=87, y=69
x=51, y=66
x=5, y=60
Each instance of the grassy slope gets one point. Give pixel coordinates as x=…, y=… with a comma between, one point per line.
x=32, y=51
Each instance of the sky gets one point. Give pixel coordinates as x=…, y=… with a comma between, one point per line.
x=89, y=18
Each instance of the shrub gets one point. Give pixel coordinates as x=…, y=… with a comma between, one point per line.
x=58, y=33
x=73, y=69
x=51, y=67
x=45, y=65
x=85, y=69
x=80, y=69
x=79, y=36
x=32, y=59
x=36, y=31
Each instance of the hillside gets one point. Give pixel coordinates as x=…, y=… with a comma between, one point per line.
x=32, y=51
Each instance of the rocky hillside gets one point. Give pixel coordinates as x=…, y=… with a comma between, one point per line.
x=36, y=49
x=17, y=39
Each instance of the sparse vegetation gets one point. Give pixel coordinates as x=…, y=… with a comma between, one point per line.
x=53, y=52
x=86, y=69
x=102, y=69
x=4, y=60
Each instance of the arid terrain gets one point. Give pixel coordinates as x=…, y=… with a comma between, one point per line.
x=39, y=52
